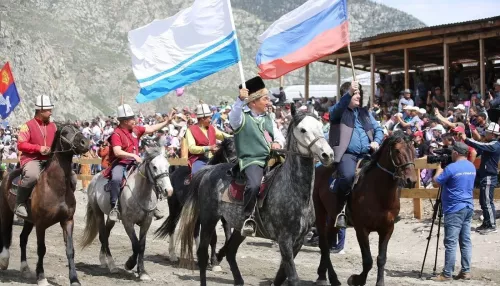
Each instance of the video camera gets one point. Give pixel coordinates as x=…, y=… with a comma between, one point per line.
x=442, y=156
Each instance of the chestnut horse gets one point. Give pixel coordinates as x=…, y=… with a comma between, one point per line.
x=52, y=201
x=373, y=205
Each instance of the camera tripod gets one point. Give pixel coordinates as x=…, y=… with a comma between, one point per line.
x=437, y=212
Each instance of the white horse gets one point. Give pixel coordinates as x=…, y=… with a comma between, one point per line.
x=137, y=202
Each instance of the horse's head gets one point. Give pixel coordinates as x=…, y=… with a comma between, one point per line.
x=305, y=136
x=69, y=138
x=157, y=170
x=398, y=152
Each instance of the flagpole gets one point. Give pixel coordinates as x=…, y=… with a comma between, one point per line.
x=240, y=64
x=352, y=62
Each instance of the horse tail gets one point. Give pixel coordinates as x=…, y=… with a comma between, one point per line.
x=91, y=228
x=168, y=226
x=189, y=221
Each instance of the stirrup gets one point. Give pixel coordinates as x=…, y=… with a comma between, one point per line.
x=340, y=219
x=249, y=227
x=19, y=214
x=115, y=209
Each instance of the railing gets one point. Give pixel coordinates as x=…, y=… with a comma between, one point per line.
x=86, y=175
x=417, y=193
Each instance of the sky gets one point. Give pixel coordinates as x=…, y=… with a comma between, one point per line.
x=437, y=12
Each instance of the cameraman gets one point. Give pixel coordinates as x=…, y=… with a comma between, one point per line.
x=488, y=172
x=457, y=183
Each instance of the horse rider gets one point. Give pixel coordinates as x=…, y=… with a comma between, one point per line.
x=353, y=132
x=201, y=139
x=124, y=152
x=35, y=142
x=255, y=134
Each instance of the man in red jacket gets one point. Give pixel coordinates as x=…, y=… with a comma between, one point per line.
x=125, y=150
x=35, y=140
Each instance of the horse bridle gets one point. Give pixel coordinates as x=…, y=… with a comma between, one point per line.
x=397, y=168
x=154, y=179
x=69, y=141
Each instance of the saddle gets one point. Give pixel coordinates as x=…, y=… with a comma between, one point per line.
x=234, y=194
x=106, y=173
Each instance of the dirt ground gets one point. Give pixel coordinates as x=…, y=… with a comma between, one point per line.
x=258, y=259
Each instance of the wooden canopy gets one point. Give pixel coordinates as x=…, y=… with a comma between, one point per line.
x=436, y=46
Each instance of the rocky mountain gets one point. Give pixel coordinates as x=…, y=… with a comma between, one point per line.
x=77, y=52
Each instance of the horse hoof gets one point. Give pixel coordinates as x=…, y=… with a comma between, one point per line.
x=25, y=271
x=4, y=259
x=350, y=281
x=217, y=268
x=173, y=258
x=43, y=282
x=322, y=283
x=144, y=277
x=76, y=284
x=112, y=267
x=114, y=270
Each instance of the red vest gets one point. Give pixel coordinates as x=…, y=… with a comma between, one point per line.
x=201, y=140
x=129, y=141
x=32, y=136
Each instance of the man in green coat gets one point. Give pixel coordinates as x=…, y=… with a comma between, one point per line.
x=255, y=135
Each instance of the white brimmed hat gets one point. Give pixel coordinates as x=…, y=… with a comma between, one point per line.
x=43, y=103
x=460, y=107
x=203, y=110
x=124, y=112
x=493, y=128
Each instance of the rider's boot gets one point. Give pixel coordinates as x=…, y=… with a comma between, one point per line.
x=158, y=214
x=114, y=214
x=249, y=225
x=22, y=197
x=340, y=221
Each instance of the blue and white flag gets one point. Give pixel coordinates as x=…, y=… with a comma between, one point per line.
x=174, y=52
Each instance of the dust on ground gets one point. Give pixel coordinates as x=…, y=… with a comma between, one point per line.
x=258, y=258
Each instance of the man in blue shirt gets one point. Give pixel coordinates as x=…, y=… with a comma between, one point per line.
x=353, y=133
x=488, y=174
x=457, y=184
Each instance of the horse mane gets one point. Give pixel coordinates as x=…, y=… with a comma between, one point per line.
x=59, y=126
x=151, y=153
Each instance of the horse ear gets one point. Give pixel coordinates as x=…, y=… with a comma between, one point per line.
x=293, y=109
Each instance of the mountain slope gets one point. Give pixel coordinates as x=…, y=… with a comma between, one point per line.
x=77, y=52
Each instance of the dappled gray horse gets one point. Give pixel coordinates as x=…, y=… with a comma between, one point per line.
x=286, y=214
x=137, y=202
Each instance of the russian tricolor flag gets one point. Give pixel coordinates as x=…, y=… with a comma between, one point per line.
x=313, y=30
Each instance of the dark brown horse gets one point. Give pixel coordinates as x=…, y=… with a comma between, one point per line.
x=52, y=201
x=373, y=205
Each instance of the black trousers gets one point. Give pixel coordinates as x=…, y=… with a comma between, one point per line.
x=253, y=174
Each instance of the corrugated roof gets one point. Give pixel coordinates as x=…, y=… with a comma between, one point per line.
x=387, y=34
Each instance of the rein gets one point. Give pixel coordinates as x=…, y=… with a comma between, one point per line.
x=152, y=180
x=308, y=147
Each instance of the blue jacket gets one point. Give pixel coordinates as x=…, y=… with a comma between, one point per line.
x=489, y=157
x=364, y=129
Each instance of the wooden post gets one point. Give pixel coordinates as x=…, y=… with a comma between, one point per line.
x=338, y=81
x=306, y=86
x=481, y=67
x=85, y=170
x=372, y=78
x=282, y=81
x=418, y=207
x=446, y=84
x=407, y=69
